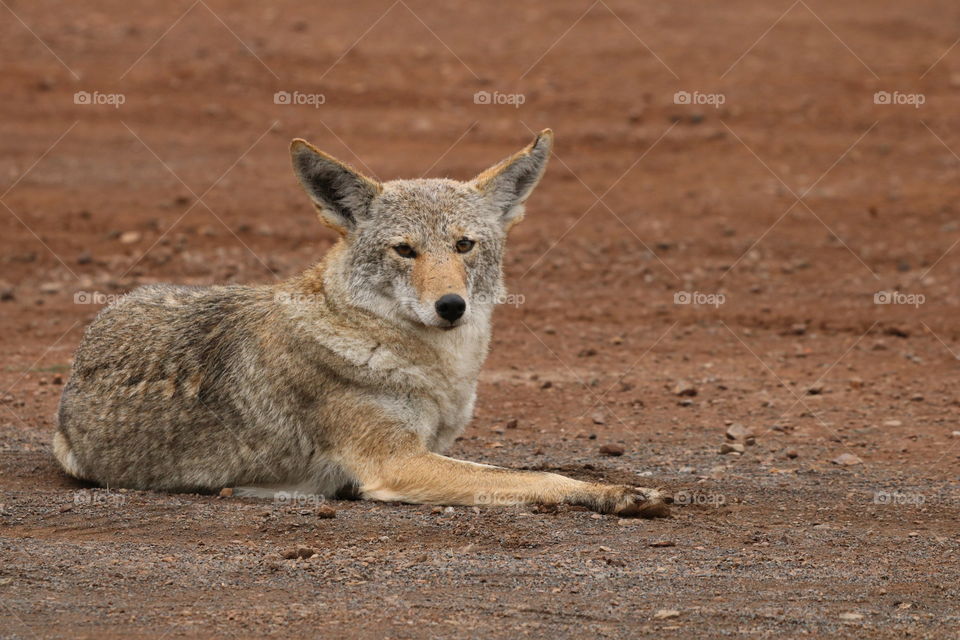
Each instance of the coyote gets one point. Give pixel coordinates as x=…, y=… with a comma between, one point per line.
x=349, y=379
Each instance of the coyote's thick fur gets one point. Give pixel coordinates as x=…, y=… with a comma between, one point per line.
x=350, y=378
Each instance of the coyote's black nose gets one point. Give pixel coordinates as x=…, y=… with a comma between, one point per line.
x=450, y=307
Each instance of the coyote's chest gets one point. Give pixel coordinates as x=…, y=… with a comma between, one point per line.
x=429, y=383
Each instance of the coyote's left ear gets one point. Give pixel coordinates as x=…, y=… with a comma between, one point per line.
x=509, y=183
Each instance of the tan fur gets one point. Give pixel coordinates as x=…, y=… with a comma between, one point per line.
x=343, y=378
x=437, y=275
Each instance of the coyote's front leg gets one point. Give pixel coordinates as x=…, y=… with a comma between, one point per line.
x=407, y=472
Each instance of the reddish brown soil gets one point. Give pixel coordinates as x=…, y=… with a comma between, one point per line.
x=694, y=198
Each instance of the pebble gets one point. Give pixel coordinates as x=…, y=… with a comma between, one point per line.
x=726, y=448
x=917, y=397
x=893, y=423
x=598, y=418
x=684, y=388
x=298, y=552
x=325, y=511
x=738, y=431
x=666, y=614
x=662, y=543
x=50, y=288
x=851, y=616
x=130, y=237
x=512, y=423
x=226, y=492
x=792, y=453
x=815, y=390
x=847, y=460
x=612, y=450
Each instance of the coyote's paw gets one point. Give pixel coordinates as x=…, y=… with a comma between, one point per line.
x=636, y=502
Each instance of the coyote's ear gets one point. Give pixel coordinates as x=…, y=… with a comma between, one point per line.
x=341, y=194
x=509, y=183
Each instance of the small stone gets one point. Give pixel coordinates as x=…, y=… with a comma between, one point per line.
x=726, y=448
x=851, y=616
x=792, y=453
x=798, y=329
x=598, y=418
x=7, y=292
x=898, y=331
x=612, y=450
x=917, y=397
x=325, y=511
x=50, y=288
x=546, y=384
x=847, y=460
x=666, y=614
x=815, y=390
x=662, y=543
x=84, y=258
x=750, y=441
x=57, y=378
x=130, y=237
x=305, y=552
x=738, y=431
x=956, y=434
x=684, y=388
x=512, y=423
x=893, y=423
x=226, y=492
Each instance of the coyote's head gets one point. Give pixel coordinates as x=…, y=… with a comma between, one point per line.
x=427, y=251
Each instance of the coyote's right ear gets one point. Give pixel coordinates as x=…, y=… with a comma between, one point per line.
x=341, y=194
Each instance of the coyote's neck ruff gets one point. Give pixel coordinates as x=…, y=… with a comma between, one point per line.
x=353, y=376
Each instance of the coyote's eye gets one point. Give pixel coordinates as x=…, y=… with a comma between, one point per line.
x=405, y=250
x=464, y=245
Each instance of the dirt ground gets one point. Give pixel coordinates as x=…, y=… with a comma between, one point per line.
x=774, y=249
